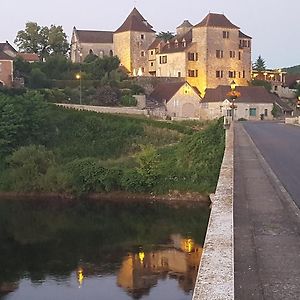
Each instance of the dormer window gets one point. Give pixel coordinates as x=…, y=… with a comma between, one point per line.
x=168, y=44
x=142, y=36
x=184, y=43
x=176, y=43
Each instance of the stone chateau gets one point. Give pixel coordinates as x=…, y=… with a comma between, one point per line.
x=211, y=53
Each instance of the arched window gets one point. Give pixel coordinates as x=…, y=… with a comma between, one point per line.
x=111, y=53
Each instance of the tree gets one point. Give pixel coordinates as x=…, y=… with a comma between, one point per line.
x=165, y=35
x=42, y=40
x=24, y=120
x=30, y=39
x=260, y=64
x=99, y=67
x=57, y=40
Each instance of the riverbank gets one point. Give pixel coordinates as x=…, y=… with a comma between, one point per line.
x=172, y=199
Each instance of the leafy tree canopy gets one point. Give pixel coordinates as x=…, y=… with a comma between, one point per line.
x=165, y=35
x=42, y=40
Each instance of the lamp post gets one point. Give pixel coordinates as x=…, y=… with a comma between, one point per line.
x=233, y=97
x=79, y=77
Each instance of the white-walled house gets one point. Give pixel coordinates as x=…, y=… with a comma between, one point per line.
x=254, y=103
x=176, y=100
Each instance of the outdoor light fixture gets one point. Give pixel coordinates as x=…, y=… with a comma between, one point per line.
x=233, y=85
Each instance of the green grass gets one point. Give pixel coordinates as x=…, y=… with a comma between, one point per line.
x=93, y=152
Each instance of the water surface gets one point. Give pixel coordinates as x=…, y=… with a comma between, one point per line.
x=84, y=250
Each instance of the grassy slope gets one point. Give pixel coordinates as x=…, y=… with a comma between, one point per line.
x=99, y=152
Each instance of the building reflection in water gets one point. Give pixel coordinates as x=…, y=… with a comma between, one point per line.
x=80, y=277
x=140, y=272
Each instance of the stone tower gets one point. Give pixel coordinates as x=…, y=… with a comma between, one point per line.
x=131, y=43
x=184, y=28
x=224, y=53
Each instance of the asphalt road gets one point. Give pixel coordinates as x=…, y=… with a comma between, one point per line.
x=280, y=145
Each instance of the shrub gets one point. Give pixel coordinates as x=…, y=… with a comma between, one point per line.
x=28, y=165
x=106, y=96
x=128, y=100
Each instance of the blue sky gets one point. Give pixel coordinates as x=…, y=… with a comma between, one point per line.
x=274, y=25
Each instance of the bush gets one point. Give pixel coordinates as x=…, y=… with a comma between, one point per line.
x=27, y=166
x=106, y=96
x=38, y=79
x=128, y=100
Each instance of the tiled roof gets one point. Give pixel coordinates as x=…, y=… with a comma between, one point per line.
x=95, y=37
x=244, y=36
x=165, y=91
x=155, y=43
x=282, y=104
x=249, y=94
x=185, y=24
x=176, y=43
x=7, y=46
x=135, y=22
x=4, y=56
x=29, y=56
x=216, y=20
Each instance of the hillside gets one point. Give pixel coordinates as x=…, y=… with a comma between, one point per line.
x=49, y=149
x=292, y=70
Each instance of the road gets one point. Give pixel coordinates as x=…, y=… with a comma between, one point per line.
x=266, y=226
x=280, y=146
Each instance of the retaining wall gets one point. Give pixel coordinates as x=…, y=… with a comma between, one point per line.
x=104, y=109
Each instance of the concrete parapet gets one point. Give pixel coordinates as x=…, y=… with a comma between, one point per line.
x=104, y=109
x=216, y=272
x=295, y=120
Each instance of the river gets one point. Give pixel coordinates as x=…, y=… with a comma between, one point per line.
x=86, y=250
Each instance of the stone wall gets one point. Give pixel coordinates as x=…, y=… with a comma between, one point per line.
x=214, y=110
x=176, y=65
x=104, y=109
x=6, y=72
x=184, y=104
x=216, y=272
x=139, y=51
x=122, y=49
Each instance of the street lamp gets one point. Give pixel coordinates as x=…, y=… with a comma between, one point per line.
x=233, y=96
x=79, y=77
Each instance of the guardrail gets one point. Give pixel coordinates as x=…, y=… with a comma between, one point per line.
x=216, y=272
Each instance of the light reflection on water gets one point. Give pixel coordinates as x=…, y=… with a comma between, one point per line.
x=165, y=270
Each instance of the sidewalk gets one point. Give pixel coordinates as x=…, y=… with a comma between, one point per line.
x=266, y=229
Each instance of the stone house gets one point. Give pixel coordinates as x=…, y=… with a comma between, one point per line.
x=6, y=69
x=175, y=100
x=211, y=53
x=131, y=42
x=85, y=42
x=214, y=52
x=254, y=103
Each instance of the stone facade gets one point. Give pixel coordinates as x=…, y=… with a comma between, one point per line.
x=6, y=72
x=184, y=104
x=85, y=42
x=216, y=110
x=133, y=56
x=211, y=53
x=253, y=103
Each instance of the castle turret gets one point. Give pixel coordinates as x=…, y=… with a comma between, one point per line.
x=185, y=27
x=131, y=43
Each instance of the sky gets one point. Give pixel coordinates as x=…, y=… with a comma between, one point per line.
x=273, y=24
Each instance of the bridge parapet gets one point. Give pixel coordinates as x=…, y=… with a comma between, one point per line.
x=216, y=272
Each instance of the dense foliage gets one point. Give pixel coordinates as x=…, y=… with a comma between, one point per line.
x=49, y=149
x=42, y=40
